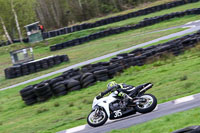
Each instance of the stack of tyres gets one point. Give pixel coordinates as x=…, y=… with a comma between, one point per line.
x=126, y=59
x=73, y=85
x=45, y=35
x=53, y=33
x=25, y=70
x=31, y=67
x=54, y=81
x=44, y=64
x=53, y=48
x=62, y=31
x=43, y=92
x=113, y=69
x=18, y=71
x=86, y=68
x=57, y=60
x=50, y=62
x=116, y=59
x=101, y=75
x=59, y=88
x=9, y=73
x=127, y=62
x=72, y=73
x=34, y=66
x=87, y=79
x=59, y=46
x=76, y=77
x=28, y=95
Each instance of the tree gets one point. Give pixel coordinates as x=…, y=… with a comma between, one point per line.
x=52, y=13
x=5, y=30
x=4, y=12
x=16, y=21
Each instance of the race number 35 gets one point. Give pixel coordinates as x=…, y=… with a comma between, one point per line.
x=118, y=113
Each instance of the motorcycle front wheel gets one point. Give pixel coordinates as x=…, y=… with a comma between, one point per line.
x=97, y=118
x=149, y=104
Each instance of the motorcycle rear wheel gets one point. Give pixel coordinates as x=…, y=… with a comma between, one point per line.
x=97, y=120
x=149, y=105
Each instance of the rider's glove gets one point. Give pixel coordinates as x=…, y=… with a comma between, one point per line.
x=126, y=96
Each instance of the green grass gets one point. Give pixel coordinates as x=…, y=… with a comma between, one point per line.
x=166, y=124
x=80, y=53
x=180, y=74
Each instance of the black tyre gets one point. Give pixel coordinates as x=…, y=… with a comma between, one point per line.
x=149, y=105
x=26, y=91
x=42, y=93
x=59, y=88
x=42, y=87
x=30, y=102
x=105, y=78
x=88, y=78
x=61, y=93
x=100, y=76
x=72, y=83
x=100, y=72
x=45, y=97
x=54, y=81
x=78, y=87
x=76, y=77
x=97, y=120
x=85, y=75
x=31, y=96
x=87, y=83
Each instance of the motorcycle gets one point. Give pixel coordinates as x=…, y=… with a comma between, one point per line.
x=113, y=106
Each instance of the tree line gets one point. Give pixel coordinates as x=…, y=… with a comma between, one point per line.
x=54, y=14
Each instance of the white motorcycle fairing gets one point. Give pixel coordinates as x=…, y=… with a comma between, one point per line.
x=104, y=102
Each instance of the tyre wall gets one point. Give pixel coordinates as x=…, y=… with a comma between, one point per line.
x=34, y=66
x=118, y=18
x=78, y=78
x=112, y=31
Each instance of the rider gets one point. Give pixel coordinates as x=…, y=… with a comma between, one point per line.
x=120, y=90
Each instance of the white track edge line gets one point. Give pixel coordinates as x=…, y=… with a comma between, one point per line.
x=184, y=99
x=75, y=129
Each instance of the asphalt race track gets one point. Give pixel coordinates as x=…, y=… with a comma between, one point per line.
x=163, y=109
x=193, y=26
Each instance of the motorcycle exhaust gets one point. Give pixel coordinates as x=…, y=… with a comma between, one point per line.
x=146, y=88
